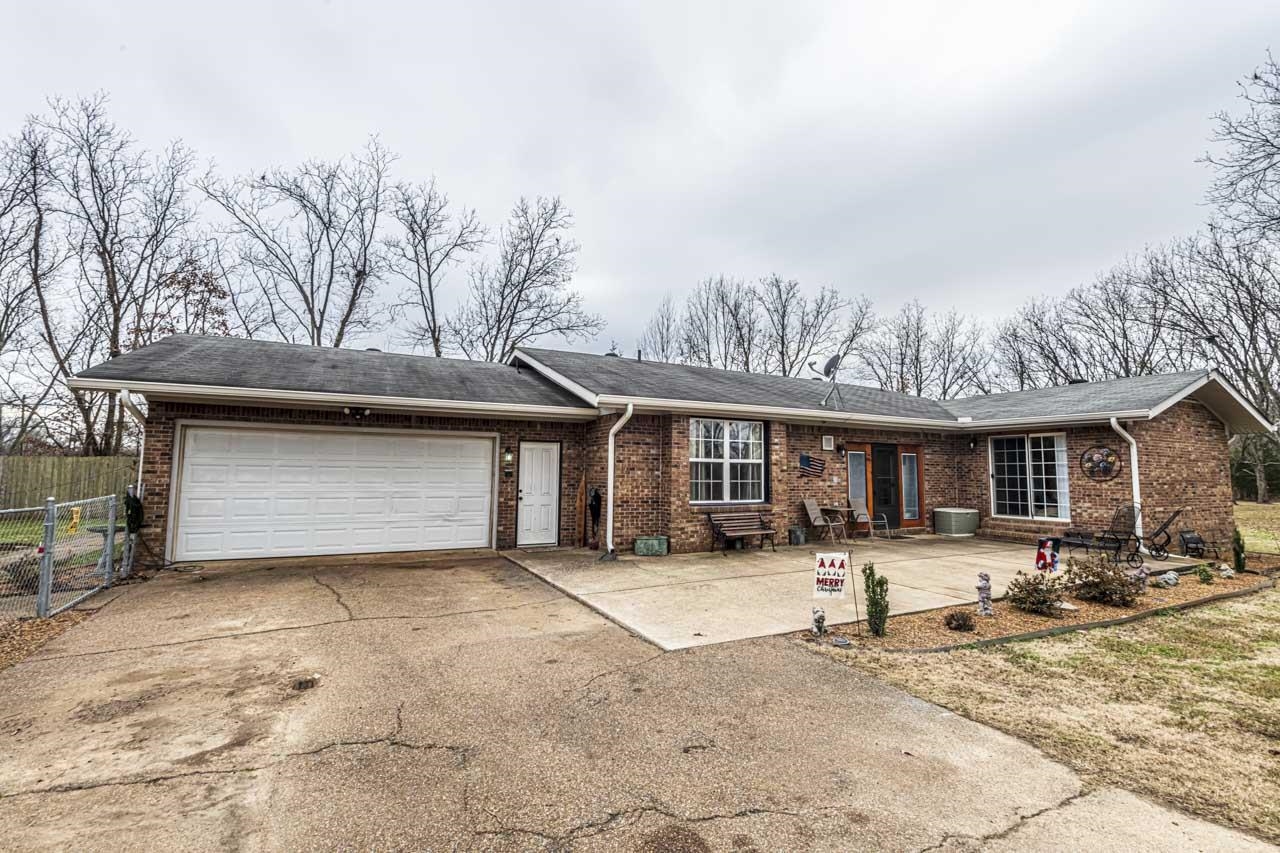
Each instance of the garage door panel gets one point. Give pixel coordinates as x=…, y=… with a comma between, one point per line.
x=251, y=474
x=247, y=508
x=253, y=493
x=249, y=443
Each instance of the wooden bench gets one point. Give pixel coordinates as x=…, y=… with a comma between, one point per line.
x=738, y=525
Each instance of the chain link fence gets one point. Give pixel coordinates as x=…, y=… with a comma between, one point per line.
x=55, y=556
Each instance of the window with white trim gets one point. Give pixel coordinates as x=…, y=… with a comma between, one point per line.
x=726, y=461
x=1029, y=476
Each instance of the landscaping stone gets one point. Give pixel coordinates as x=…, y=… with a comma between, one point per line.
x=1166, y=580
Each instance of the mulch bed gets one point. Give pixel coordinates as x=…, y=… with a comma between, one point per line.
x=925, y=630
x=20, y=638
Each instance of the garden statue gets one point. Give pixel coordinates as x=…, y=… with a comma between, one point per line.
x=984, y=595
x=1140, y=576
x=819, y=622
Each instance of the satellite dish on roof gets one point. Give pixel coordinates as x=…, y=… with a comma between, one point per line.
x=829, y=369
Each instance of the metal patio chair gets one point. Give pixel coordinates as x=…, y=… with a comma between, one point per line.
x=858, y=512
x=1119, y=535
x=820, y=520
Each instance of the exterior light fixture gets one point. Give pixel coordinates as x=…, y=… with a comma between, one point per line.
x=507, y=456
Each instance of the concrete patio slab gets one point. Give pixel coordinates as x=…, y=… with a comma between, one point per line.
x=687, y=600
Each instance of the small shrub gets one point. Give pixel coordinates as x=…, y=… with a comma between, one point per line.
x=1237, y=550
x=959, y=620
x=877, y=587
x=1038, y=593
x=1204, y=573
x=1098, y=578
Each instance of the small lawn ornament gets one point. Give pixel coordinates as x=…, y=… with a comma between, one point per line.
x=819, y=623
x=1226, y=572
x=1047, y=553
x=1167, y=580
x=984, y=595
x=1140, y=576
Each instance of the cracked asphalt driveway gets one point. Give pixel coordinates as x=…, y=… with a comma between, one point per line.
x=459, y=703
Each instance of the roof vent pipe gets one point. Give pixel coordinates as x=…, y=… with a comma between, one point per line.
x=611, y=554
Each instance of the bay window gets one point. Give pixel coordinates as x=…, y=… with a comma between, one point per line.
x=726, y=461
x=1029, y=476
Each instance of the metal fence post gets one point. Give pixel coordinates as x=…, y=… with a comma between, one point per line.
x=45, y=590
x=110, y=546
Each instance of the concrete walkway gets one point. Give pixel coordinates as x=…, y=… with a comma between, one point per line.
x=462, y=704
x=687, y=600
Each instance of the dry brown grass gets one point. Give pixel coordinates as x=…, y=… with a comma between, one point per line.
x=1260, y=526
x=1184, y=708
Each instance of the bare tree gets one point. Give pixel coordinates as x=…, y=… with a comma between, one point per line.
x=895, y=355
x=798, y=327
x=308, y=244
x=660, y=339
x=434, y=239
x=525, y=293
x=121, y=214
x=960, y=354
x=1223, y=296
x=1246, y=185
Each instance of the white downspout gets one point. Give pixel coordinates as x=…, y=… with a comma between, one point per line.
x=608, y=524
x=1133, y=473
x=126, y=402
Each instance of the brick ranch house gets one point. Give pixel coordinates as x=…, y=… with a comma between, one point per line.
x=256, y=449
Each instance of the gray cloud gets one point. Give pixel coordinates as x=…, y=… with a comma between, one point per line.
x=966, y=155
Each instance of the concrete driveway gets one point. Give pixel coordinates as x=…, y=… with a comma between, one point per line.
x=463, y=704
x=687, y=600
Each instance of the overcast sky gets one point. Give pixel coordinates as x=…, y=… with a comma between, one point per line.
x=967, y=154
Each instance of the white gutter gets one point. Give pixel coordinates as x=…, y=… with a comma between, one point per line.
x=271, y=396
x=126, y=402
x=608, y=528
x=1133, y=473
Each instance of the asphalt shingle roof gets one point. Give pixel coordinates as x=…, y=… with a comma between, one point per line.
x=1136, y=393
x=238, y=363
x=627, y=377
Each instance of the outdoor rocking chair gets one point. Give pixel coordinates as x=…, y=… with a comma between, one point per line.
x=1120, y=535
x=858, y=512
x=821, y=521
x=1158, y=542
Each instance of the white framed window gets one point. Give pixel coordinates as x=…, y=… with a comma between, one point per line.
x=726, y=461
x=910, y=486
x=1029, y=476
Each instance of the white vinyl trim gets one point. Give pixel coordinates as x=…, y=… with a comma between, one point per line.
x=273, y=396
x=1215, y=377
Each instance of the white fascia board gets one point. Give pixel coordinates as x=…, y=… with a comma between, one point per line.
x=273, y=396
x=555, y=376
x=1221, y=382
x=1062, y=421
x=780, y=413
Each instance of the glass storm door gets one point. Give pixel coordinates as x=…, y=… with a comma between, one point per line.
x=885, y=483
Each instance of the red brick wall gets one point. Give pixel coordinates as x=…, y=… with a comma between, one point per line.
x=1182, y=461
x=162, y=416
x=640, y=481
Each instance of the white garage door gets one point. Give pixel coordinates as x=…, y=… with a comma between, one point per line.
x=268, y=493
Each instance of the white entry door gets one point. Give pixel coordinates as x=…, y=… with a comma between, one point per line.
x=276, y=492
x=539, y=497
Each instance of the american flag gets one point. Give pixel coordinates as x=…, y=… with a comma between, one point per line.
x=811, y=466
